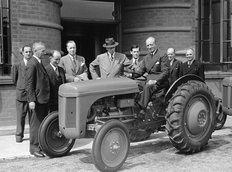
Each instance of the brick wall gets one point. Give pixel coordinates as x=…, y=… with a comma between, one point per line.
x=31, y=20
x=35, y=21
x=171, y=22
x=7, y=105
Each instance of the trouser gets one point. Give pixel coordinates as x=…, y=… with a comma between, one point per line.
x=146, y=94
x=22, y=111
x=37, y=116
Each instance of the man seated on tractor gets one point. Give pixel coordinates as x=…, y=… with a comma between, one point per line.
x=109, y=64
x=135, y=69
x=157, y=68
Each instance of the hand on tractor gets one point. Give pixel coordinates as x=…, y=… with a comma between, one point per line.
x=151, y=82
x=32, y=105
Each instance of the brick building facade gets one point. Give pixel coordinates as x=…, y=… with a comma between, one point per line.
x=30, y=21
x=204, y=25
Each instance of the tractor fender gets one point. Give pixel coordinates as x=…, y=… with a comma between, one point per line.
x=180, y=81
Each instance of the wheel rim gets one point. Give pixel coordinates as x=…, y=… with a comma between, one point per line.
x=54, y=138
x=113, y=147
x=197, y=119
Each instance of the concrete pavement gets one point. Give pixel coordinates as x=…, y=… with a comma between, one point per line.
x=12, y=150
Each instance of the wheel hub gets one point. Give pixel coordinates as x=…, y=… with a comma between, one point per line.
x=202, y=118
x=114, y=147
x=197, y=116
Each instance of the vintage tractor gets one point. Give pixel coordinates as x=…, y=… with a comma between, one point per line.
x=224, y=105
x=107, y=110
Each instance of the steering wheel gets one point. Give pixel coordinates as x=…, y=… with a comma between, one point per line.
x=137, y=76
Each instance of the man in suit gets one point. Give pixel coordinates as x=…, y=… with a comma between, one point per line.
x=56, y=76
x=38, y=94
x=191, y=66
x=73, y=64
x=174, y=72
x=157, y=68
x=18, y=76
x=136, y=66
x=110, y=64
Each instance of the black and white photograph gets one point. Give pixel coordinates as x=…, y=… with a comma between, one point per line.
x=116, y=85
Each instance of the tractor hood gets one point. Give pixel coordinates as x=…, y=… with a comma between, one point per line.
x=100, y=86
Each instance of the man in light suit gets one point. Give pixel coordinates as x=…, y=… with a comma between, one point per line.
x=110, y=64
x=175, y=65
x=73, y=64
x=18, y=76
x=191, y=66
x=157, y=68
x=135, y=69
x=38, y=94
x=56, y=76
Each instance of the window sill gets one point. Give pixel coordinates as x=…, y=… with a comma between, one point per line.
x=6, y=80
x=217, y=74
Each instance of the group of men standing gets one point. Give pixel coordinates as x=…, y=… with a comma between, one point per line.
x=37, y=85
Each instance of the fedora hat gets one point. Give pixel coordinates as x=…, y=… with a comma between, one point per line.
x=109, y=43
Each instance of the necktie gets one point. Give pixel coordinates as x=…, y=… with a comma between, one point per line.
x=136, y=62
x=57, y=72
x=75, y=63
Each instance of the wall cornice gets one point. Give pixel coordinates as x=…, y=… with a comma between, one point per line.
x=158, y=29
x=59, y=2
x=40, y=23
x=159, y=5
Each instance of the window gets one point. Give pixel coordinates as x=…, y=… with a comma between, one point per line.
x=5, y=40
x=214, y=31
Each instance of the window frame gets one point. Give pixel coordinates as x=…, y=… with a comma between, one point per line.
x=5, y=40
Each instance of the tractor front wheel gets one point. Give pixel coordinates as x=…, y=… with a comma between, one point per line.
x=110, y=146
x=51, y=140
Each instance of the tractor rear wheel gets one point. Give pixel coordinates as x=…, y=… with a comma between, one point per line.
x=191, y=117
x=221, y=117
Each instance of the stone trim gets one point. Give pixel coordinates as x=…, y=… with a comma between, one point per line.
x=158, y=29
x=59, y=2
x=160, y=5
x=40, y=23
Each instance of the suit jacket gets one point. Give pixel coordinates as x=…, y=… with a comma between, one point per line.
x=196, y=68
x=108, y=68
x=174, y=72
x=55, y=82
x=136, y=68
x=72, y=71
x=157, y=67
x=37, y=82
x=18, y=72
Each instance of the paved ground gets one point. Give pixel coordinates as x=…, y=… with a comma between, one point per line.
x=11, y=150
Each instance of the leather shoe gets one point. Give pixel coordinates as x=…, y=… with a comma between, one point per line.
x=38, y=154
x=19, y=139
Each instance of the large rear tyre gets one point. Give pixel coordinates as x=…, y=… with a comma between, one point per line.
x=110, y=146
x=191, y=117
x=51, y=140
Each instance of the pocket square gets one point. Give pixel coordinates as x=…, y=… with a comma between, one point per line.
x=157, y=63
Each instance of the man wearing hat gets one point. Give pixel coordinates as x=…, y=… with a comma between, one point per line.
x=110, y=63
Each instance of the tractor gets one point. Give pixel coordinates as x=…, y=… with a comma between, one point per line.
x=106, y=110
x=224, y=105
